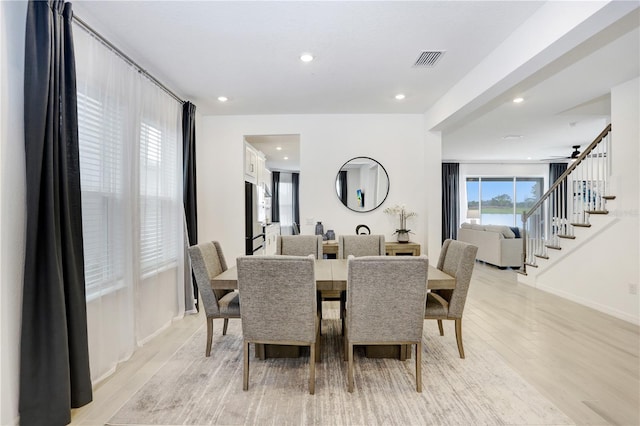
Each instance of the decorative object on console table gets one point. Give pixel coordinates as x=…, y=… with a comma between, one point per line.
x=403, y=214
x=319, y=228
x=363, y=230
x=331, y=235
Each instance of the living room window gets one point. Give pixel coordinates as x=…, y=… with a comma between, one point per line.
x=501, y=200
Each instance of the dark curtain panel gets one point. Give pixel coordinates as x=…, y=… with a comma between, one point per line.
x=189, y=170
x=558, y=204
x=342, y=183
x=555, y=171
x=54, y=358
x=295, y=183
x=275, y=197
x=189, y=198
x=450, y=200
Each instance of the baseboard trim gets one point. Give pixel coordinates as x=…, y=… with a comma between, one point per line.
x=588, y=303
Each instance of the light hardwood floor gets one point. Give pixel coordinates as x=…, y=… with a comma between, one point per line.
x=584, y=361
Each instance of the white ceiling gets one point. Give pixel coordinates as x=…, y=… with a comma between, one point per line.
x=276, y=148
x=249, y=52
x=569, y=107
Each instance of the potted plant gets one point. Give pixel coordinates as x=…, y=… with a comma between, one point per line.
x=403, y=214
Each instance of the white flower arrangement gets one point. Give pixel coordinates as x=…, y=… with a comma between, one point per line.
x=403, y=214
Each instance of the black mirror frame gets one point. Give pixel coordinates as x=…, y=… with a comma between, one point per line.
x=385, y=173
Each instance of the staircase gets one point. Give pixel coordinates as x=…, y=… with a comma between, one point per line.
x=569, y=206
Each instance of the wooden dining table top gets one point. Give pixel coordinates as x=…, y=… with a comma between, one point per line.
x=331, y=274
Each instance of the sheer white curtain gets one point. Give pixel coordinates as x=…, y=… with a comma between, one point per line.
x=130, y=152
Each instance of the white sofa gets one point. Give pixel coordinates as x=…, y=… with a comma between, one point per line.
x=496, y=244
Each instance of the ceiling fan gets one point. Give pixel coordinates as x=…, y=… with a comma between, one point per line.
x=575, y=154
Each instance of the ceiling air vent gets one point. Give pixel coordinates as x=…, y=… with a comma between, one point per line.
x=428, y=58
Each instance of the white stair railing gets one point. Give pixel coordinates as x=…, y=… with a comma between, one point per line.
x=580, y=191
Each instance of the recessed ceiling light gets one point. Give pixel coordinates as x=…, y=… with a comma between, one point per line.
x=511, y=137
x=518, y=100
x=279, y=148
x=400, y=96
x=223, y=98
x=306, y=57
x=286, y=158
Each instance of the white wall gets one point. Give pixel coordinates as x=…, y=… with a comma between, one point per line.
x=326, y=142
x=12, y=202
x=432, y=179
x=598, y=273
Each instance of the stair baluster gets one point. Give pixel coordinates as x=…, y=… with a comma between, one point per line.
x=580, y=191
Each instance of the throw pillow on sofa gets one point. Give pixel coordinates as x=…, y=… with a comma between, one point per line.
x=516, y=231
x=504, y=230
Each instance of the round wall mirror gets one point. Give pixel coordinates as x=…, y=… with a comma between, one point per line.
x=362, y=184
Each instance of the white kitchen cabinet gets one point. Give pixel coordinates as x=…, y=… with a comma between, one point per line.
x=254, y=166
x=261, y=169
x=250, y=164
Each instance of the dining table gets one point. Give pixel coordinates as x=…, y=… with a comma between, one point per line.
x=331, y=276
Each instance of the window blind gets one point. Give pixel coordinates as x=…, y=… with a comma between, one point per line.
x=100, y=134
x=158, y=198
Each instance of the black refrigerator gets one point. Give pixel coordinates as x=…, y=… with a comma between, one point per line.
x=253, y=229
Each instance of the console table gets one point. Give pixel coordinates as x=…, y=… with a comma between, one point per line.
x=402, y=249
x=392, y=248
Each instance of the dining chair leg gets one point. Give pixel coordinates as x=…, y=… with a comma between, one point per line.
x=440, y=327
x=319, y=308
x=245, y=375
x=350, y=369
x=343, y=304
x=345, y=344
x=209, y=336
x=459, y=337
x=312, y=369
x=345, y=349
x=419, y=366
x=224, y=328
x=318, y=337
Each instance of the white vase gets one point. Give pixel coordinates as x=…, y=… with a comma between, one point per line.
x=403, y=237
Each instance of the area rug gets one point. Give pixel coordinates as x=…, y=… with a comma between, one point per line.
x=481, y=389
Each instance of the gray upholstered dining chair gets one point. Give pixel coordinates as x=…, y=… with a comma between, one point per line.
x=299, y=245
x=207, y=261
x=360, y=245
x=278, y=305
x=304, y=245
x=385, y=305
x=357, y=245
x=457, y=259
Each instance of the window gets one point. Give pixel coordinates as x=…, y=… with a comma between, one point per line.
x=100, y=134
x=286, y=202
x=106, y=137
x=501, y=201
x=158, y=196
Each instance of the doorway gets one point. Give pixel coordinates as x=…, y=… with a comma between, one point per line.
x=281, y=188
